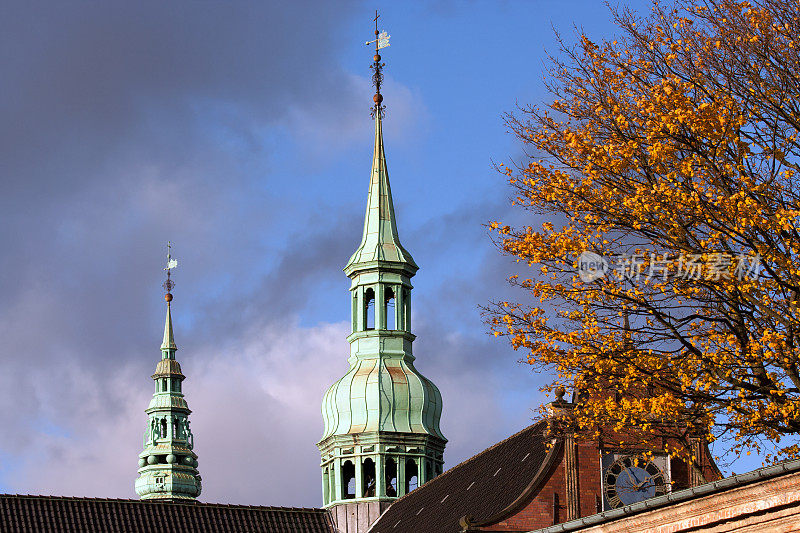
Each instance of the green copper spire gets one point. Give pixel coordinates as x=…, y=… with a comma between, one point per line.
x=380, y=241
x=382, y=436
x=168, y=466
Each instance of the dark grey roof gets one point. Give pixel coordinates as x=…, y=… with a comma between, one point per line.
x=484, y=486
x=675, y=497
x=44, y=514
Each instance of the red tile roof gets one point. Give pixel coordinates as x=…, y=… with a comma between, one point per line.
x=45, y=514
x=481, y=487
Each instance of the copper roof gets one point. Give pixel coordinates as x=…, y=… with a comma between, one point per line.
x=491, y=484
x=168, y=368
x=45, y=514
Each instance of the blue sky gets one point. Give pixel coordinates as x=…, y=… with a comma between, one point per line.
x=241, y=132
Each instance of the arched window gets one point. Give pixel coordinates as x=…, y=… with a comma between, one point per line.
x=325, y=493
x=391, y=312
x=175, y=433
x=412, y=475
x=391, y=477
x=348, y=480
x=368, y=479
x=355, y=312
x=163, y=428
x=369, y=309
x=407, y=309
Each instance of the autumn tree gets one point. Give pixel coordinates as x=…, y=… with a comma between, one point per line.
x=672, y=154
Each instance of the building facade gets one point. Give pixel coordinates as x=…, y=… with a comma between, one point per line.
x=766, y=500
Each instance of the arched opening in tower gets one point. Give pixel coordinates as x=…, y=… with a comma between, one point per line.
x=368, y=478
x=369, y=309
x=355, y=312
x=406, y=310
x=412, y=475
x=325, y=493
x=391, y=477
x=348, y=480
x=389, y=306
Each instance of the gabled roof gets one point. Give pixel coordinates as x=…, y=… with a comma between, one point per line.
x=44, y=514
x=494, y=483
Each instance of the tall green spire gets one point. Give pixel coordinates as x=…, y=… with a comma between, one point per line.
x=382, y=436
x=380, y=241
x=167, y=465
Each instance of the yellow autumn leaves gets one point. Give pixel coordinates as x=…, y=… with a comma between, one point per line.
x=679, y=139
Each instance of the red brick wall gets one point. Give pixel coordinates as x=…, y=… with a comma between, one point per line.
x=589, y=477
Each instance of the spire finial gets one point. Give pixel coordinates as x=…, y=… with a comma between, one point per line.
x=171, y=263
x=381, y=41
x=168, y=346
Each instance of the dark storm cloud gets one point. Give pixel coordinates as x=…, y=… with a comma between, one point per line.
x=121, y=125
x=111, y=108
x=82, y=82
x=94, y=90
x=312, y=260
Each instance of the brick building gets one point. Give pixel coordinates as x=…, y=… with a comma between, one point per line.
x=766, y=500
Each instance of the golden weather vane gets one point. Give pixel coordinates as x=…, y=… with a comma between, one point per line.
x=381, y=40
x=171, y=263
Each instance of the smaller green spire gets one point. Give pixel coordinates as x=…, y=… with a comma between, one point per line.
x=168, y=464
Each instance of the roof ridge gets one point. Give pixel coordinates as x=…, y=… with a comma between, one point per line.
x=469, y=460
x=193, y=503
